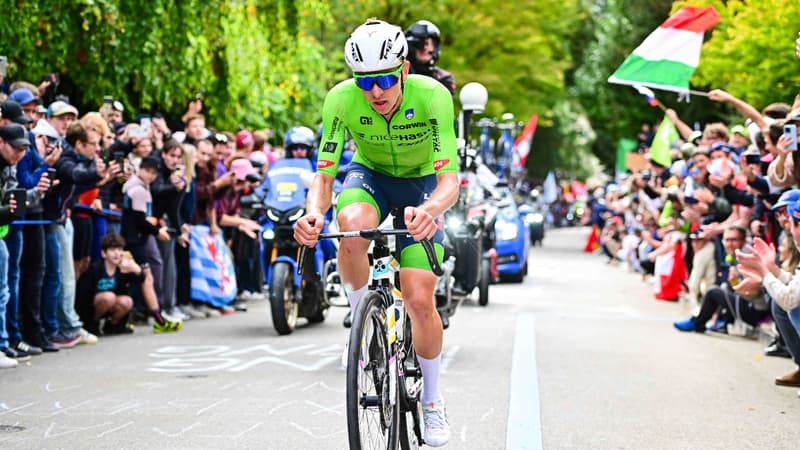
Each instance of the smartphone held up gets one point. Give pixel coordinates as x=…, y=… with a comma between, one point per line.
x=790, y=132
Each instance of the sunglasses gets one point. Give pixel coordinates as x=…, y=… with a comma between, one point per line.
x=383, y=80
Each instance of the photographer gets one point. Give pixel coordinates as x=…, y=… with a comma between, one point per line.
x=26, y=263
x=244, y=233
x=13, y=202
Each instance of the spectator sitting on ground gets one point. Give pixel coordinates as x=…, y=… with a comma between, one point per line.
x=735, y=297
x=104, y=290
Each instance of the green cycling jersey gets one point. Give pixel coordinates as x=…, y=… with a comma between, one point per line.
x=419, y=139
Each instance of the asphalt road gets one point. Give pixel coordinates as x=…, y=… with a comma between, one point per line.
x=578, y=356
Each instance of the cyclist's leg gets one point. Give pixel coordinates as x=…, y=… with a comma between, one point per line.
x=417, y=283
x=360, y=206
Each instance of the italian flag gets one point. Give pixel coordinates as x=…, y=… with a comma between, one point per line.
x=670, y=54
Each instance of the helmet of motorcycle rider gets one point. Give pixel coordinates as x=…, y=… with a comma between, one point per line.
x=416, y=36
x=297, y=138
x=375, y=46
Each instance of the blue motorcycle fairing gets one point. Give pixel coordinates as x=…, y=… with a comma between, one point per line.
x=284, y=187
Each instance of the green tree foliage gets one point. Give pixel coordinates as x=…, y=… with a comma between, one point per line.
x=520, y=51
x=615, y=111
x=750, y=53
x=249, y=57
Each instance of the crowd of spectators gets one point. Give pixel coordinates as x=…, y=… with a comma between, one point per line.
x=717, y=228
x=96, y=214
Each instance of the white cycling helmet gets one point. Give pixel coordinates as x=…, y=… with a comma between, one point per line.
x=375, y=46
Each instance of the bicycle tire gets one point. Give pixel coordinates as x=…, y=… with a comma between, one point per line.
x=411, y=411
x=284, y=309
x=362, y=419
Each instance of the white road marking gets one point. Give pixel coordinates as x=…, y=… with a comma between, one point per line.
x=524, y=429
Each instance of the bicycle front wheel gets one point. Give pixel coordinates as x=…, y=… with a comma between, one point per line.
x=373, y=411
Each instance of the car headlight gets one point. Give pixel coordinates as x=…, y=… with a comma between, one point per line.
x=273, y=215
x=454, y=223
x=268, y=235
x=507, y=231
x=297, y=214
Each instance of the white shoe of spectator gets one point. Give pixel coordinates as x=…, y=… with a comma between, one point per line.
x=87, y=338
x=210, y=312
x=258, y=296
x=6, y=362
x=171, y=317
x=194, y=312
x=178, y=312
x=245, y=296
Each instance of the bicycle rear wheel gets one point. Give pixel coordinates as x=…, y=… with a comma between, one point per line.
x=372, y=406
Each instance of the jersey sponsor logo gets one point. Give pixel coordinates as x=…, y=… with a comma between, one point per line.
x=366, y=120
x=322, y=164
x=368, y=188
x=410, y=113
x=437, y=166
x=437, y=146
x=380, y=137
x=410, y=126
x=410, y=136
x=334, y=127
x=330, y=147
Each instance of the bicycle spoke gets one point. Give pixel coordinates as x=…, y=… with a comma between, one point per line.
x=372, y=384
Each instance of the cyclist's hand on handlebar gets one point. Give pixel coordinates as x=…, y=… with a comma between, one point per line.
x=420, y=223
x=308, y=228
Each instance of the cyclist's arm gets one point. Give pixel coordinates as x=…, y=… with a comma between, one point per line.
x=444, y=196
x=333, y=130
x=319, y=194
x=446, y=158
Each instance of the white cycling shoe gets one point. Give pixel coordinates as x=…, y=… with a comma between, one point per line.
x=437, y=429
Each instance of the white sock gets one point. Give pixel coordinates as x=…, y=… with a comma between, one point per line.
x=430, y=376
x=354, y=296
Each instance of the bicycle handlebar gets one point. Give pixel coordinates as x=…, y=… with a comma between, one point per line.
x=371, y=234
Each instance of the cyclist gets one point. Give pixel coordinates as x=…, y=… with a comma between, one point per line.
x=425, y=42
x=406, y=159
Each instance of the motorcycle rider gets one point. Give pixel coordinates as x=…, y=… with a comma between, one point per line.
x=299, y=142
x=424, y=42
x=390, y=170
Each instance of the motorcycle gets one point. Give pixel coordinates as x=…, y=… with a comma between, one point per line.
x=290, y=295
x=469, y=231
x=534, y=219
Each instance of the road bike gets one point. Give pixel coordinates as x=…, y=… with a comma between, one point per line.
x=384, y=380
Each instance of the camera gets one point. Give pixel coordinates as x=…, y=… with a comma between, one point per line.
x=646, y=175
x=753, y=159
x=20, y=196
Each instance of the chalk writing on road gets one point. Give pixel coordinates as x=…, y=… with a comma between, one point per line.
x=216, y=358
